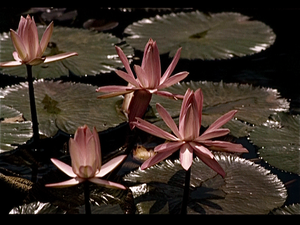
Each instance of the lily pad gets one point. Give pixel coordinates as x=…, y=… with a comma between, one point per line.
x=96, y=53
x=202, y=36
x=293, y=209
x=279, y=142
x=64, y=106
x=14, y=130
x=254, y=104
x=246, y=189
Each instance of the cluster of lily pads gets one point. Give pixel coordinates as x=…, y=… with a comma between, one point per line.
x=262, y=116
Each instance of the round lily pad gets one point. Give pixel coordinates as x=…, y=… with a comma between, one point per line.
x=202, y=36
x=96, y=53
x=293, y=209
x=14, y=130
x=247, y=188
x=254, y=104
x=64, y=106
x=279, y=142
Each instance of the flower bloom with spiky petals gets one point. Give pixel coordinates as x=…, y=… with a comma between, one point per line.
x=85, y=155
x=28, y=48
x=187, y=137
x=149, y=81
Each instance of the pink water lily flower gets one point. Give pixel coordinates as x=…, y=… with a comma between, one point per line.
x=85, y=155
x=187, y=137
x=149, y=80
x=28, y=48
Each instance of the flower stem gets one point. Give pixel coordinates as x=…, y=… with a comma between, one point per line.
x=35, y=125
x=87, y=197
x=186, y=192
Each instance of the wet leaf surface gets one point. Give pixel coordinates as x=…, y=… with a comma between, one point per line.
x=65, y=106
x=278, y=140
x=202, y=36
x=246, y=189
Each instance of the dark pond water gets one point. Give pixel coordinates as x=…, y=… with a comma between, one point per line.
x=278, y=67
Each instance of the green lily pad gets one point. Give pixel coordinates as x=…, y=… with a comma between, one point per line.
x=64, y=106
x=202, y=36
x=96, y=53
x=279, y=142
x=254, y=104
x=246, y=189
x=14, y=130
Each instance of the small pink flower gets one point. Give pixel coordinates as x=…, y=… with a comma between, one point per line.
x=85, y=155
x=149, y=80
x=28, y=48
x=187, y=137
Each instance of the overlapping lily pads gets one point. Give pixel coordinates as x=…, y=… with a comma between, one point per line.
x=254, y=104
x=14, y=130
x=279, y=141
x=202, y=36
x=246, y=189
x=64, y=106
x=96, y=53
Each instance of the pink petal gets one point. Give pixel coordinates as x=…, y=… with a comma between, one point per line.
x=124, y=61
x=67, y=183
x=168, y=95
x=201, y=150
x=98, y=148
x=31, y=40
x=154, y=130
x=168, y=120
x=106, y=183
x=213, y=134
x=76, y=155
x=142, y=77
x=110, y=165
x=185, y=103
x=86, y=171
x=151, y=64
x=224, y=146
x=186, y=156
x=168, y=146
x=130, y=79
x=222, y=120
x=199, y=101
x=171, y=67
x=58, y=57
x=116, y=88
x=189, y=126
x=173, y=80
x=63, y=167
x=156, y=159
x=46, y=37
x=212, y=163
x=10, y=64
x=19, y=45
x=138, y=105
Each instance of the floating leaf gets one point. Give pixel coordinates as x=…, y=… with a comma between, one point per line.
x=64, y=106
x=279, y=142
x=14, y=130
x=96, y=53
x=37, y=208
x=254, y=104
x=293, y=209
x=246, y=189
x=214, y=36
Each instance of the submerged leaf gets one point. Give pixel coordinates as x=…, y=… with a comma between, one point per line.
x=64, y=106
x=278, y=139
x=96, y=53
x=208, y=37
x=247, y=188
